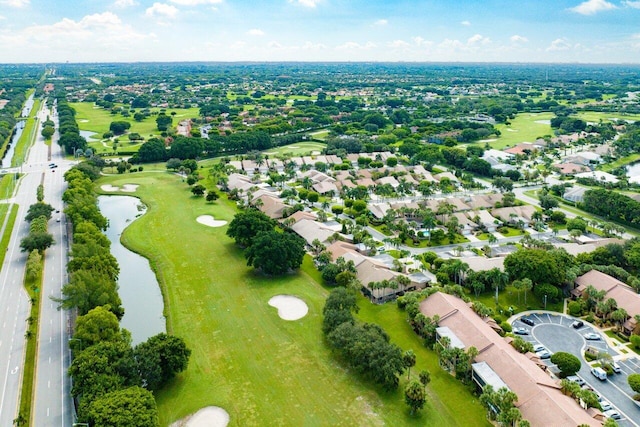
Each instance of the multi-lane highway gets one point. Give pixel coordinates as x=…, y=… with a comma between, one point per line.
x=52, y=404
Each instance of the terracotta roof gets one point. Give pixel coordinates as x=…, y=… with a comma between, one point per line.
x=539, y=397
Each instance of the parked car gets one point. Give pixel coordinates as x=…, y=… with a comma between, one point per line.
x=576, y=379
x=521, y=331
x=612, y=413
x=606, y=406
x=538, y=347
x=527, y=321
x=578, y=324
x=591, y=336
x=599, y=373
x=544, y=354
x=616, y=368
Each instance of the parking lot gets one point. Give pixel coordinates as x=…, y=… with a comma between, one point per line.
x=555, y=333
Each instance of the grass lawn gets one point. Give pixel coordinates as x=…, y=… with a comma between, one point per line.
x=596, y=116
x=6, y=237
x=510, y=231
x=261, y=369
x=7, y=185
x=382, y=228
x=525, y=127
x=623, y=161
x=95, y=119
x=483, y=236
x=28, y=135
x=509, y=298
x=302, y=148
x=320, y=134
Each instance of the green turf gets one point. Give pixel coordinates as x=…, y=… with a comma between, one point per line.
x=28, y=136
x=261, y=369
x=95, y=119
x=622, y=161
x=523, y=128
x=297, y=149
x=596, y=116
x=510, y=297
x=6, y=237
x=7, y=185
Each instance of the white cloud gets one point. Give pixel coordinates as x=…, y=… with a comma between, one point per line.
x=195, y=2
x=255, y=32
x=162, y=9
x=632, y=4
x=518, y=39
x=355, y=46
x=465, y=23
x=419, y=41
x=15, y=3
x=125, y=3
x=558, y=45
x=448, y=44
x=306, y=3
x=398, y=44
x=478, y=39
x=313, y=46
x=591, y=7
x=381, y=23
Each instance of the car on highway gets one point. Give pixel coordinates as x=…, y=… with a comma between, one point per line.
x=538, y=347
x=591, y=336
x=521, y=331
x=612, y=413
x=527, y=321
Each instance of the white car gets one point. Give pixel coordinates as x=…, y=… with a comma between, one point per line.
x=521, y=331
x=544, y=354
x=538, y=348
x=606, y=406
x=612, y=413
x=591, y=336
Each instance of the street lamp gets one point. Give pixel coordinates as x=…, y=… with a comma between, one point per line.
x=80, y=424
x=545, y=301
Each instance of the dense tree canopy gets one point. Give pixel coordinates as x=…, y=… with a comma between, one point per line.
x=566, y=362
x=246, y=225
x=160, y=358
x=275, y=253
x=133, y=406
x=539, y=265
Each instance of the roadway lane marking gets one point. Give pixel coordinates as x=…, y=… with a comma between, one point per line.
x=619, y=410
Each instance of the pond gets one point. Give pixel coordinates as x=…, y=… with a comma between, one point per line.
x=633, y=172
x=138, y=286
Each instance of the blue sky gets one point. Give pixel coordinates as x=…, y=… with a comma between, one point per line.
x=587, y=31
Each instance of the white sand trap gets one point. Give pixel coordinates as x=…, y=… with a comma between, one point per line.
x=512, y=130
x=211, y=416
x=109, y=187
x=129, y=188
x=543, y=122
x=210, y=221
x=84, y=121
x=289, y=307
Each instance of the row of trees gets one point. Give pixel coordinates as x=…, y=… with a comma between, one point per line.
x=68, y=129
x=38, y=216
x=112, y=381
x=612, y=205
x=271, y=251
x=16, y=97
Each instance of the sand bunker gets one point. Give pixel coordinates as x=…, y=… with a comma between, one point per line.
x=127, y=188
x=210, y=221
x=289, y=307
x=211, y=416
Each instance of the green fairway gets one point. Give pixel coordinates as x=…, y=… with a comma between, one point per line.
x=297, y=149
x=263, y=370
x=95, y=119
x=525, y=127
x=596, y=116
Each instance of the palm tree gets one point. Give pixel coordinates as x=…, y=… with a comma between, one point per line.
x=619, y=316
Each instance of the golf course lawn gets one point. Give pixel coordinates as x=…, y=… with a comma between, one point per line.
x=525, y=127
x=261, y=369
x=95, y=119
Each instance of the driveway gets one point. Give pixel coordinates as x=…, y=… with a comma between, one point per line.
x=555, y=332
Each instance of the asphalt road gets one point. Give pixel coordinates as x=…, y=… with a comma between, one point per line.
x=555, y=332
x=52, y=401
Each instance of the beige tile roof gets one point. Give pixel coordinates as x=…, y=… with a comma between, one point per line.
x=539, y=397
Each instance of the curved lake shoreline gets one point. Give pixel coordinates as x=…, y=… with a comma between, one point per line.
x=138, y=287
